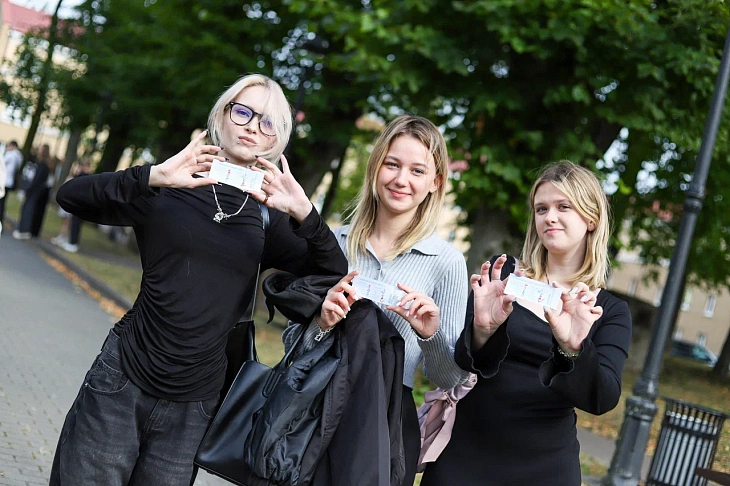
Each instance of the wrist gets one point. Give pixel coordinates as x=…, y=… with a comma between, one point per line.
x=155, y=176
x=301, y=210
x=322, y=332
x=568, y=353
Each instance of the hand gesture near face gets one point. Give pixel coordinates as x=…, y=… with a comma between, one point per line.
x=281, y=191
x=422, y=314
x=571, y=326
x=336, y=304
x=491, y=305
x=178, y=170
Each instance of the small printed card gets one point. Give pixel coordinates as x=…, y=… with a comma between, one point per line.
x=234, y=175
x=379, y=292
x=534, y=291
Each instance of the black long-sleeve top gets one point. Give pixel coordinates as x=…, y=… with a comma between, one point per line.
x=518, y=425
x=198, y=275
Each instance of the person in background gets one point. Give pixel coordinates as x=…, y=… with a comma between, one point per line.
x=35, y=189
x=70, y=232
x=536, y=365
x=13, y=160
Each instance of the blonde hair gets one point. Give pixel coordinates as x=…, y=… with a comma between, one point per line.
x=275, y=106
x=586, y=195
x=367, y=202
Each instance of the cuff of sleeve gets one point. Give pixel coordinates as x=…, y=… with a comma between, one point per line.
x=486, y=361
x=560, y=365
x=308, y=340
x=438, y=340
x=142, y=173
x=308, y=227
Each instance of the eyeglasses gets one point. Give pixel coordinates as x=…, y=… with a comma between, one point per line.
x=242, y=115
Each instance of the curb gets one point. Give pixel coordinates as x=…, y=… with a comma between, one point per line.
x=45, y=246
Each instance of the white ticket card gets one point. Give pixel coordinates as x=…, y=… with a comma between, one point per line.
x=379, y=292
x=236, y=176
x=534, y=291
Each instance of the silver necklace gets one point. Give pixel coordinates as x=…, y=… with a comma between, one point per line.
x=220, y=215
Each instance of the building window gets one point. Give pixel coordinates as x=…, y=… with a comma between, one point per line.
x=678, y=333
x=632, y=287
x=710, y=305
x=686, y=301
x=701, y=339
x=658, y=296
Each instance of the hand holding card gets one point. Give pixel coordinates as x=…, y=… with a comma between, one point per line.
x=236, y=176
x=533, y=291
x=381, y=293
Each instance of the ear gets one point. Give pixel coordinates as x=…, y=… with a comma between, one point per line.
x=438, y=180
x=591, y=226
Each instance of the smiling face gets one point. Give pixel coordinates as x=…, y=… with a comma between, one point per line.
x=243, y=143
x=406, y=177
x=561, y=229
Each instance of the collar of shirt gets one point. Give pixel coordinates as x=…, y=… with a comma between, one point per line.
x=430, y=245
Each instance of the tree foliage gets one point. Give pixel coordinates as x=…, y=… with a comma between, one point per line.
x=514, y=83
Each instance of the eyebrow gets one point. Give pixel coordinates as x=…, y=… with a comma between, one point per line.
x=559, y=201
x=396, y=158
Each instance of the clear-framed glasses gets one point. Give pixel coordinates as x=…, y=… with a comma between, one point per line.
x=242, y=115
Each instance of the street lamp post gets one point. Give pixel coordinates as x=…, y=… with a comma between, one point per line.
x=641, y=408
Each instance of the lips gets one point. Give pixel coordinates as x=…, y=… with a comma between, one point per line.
x=247, y=140
x=398, y=194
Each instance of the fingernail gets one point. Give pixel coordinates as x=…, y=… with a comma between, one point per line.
x=585, y=298
x=227, y=159
x=544, y=309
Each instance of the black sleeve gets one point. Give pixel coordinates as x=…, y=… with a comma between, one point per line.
x=592, y=382
x=114, y=198
x=303, y=249
x=485, y=361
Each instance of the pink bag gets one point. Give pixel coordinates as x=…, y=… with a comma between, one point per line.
x=436, y=418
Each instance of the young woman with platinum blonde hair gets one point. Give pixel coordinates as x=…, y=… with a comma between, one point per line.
x=536, y=365
x=154, y=388
x=392, y=239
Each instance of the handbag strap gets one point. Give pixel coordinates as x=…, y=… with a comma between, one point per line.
x=265, y=220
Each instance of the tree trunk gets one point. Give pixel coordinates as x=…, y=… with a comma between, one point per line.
x=71, y=155
x=42, y=84
x=334, y=184
x=313, y=162
x=113, y=149
x=720, y=371
x=491, y=235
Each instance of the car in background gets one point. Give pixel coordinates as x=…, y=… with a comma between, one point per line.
x=693, y=351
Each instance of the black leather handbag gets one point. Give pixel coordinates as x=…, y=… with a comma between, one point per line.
x=221, y=452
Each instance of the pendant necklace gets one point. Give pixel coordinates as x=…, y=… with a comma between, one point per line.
x=220, y=215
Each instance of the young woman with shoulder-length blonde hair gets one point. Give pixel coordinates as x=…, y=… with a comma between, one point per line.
x=585, y=192
x=536, y=365
x=427, y=213
x=392, y=239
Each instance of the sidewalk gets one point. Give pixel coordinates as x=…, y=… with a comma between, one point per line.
x=81, y=342
x=51, y=331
